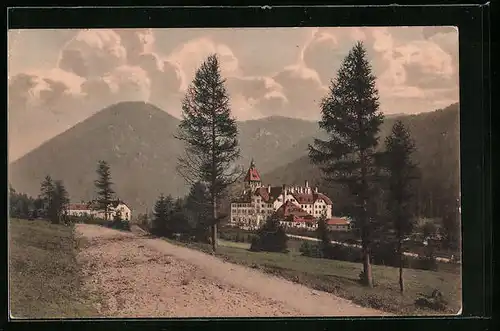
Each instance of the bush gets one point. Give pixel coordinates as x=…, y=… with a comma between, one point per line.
x=342, y=253
x=271, y=237
x=119, y=225
x=186, y=237
x=434, y=301
x=310, y=250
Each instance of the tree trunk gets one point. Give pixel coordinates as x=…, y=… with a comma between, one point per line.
x=400, y=252
x=367, y=267
x=214, y=224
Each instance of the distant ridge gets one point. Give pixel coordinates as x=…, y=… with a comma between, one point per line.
x=137, y=139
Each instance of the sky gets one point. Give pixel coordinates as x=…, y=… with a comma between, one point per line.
x=57, y=78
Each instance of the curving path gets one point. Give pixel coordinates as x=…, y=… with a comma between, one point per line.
x=137, y=276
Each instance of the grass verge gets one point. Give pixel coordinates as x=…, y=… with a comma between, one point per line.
x=341, y=278
x=44, y=278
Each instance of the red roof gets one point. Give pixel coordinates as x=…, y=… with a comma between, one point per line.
x=304, y=198
x=252, y=174
x=337, y=221
x=269, y=196
x=292, y=213
x=78, y=206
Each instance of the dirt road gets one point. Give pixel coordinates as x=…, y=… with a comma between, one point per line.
x=138, y=276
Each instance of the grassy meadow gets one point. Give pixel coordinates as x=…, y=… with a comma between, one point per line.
x=341, y=277
x=44, y=277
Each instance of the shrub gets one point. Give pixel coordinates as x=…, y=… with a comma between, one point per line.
x=271, y=237
x=342, y=253
x=185, y=237
x=119, y=225
x=433, y=301
x=310, y=250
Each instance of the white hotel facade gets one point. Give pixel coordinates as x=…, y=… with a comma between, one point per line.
x=258, y=202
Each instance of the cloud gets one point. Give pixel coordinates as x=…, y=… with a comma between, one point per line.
x=251, y=97
x=39, y=104
x=136, y=42
x=189, y=56
x=417, y=69
x=323, y=54
x=303, y=90
x=42, y=90
x=165, y=81
x=129, y=83
x=93, y=53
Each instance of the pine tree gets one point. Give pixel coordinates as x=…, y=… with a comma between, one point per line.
x=104, y=191
x=198, y=207
x=210, y=135
x=178, y=222
x=322, y=232
x=271, y=237
x=402, y=172
x=60, y=201
x=161, y=215
x=46, y=194
x=351, y=117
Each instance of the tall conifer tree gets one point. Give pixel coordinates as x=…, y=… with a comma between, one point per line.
x=103, y=185
x=46, y=194
x=402, y=172
x=60, y=201
x=210, y=135
x=351, y=117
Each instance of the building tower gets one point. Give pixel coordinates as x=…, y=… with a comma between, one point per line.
x=252, y=179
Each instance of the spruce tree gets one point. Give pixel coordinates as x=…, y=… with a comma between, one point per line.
x=210, y=135
x=178, y=222
x=351, y=117
x=271, y=237
x=198, y=207
x=324, y=239
x=60, y=201
x=46, y=194
x=161, y=215
x=103, y=186
x=402, y=172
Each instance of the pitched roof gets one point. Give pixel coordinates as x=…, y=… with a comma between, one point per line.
x=304, y=198
x=252, y=174
x=269, y=196
x=337, y=221
x=115, y=204
x=78, y=206
x=290, y=209
x=322, y=196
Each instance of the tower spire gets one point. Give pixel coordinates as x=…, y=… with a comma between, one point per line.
x=252, y=178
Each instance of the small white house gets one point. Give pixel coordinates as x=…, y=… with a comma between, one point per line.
x=86, y=209
x=80, y=209
x=123, y=209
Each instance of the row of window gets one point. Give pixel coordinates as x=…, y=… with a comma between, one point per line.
x=250, y=211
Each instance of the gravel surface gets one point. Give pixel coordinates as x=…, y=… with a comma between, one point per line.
x=136, y=276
